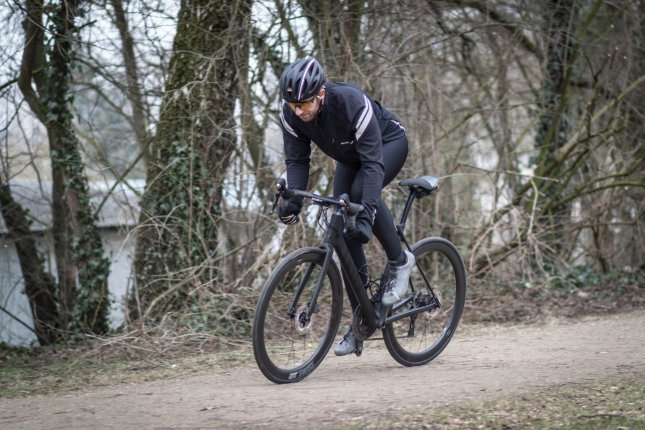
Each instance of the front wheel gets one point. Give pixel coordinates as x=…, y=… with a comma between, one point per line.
x=439, y=278
x=291, y=336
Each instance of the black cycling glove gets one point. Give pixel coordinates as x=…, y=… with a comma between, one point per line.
x=363, y=231
x=289, y=210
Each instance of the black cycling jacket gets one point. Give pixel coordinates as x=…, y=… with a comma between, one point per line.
x=350, y=128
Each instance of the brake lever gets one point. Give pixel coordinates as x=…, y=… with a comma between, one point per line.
x=352, y=211
x=275, y=202
x=280, y=186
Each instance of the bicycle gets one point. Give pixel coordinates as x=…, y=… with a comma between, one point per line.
x=300, y=307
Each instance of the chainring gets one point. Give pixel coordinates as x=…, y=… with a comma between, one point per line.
x=362, y=330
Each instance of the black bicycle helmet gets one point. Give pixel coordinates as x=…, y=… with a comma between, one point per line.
x=301, y=80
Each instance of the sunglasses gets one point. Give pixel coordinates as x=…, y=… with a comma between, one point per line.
x=306, y=104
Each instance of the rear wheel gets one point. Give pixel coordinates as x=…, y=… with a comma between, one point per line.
x=287, y=344
x=417, y=339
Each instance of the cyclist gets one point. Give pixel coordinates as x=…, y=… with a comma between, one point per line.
x=369, y=146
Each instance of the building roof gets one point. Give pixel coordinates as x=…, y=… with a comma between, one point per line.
x=120, y=208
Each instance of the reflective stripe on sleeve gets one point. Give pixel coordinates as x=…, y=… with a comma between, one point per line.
x=365, y=118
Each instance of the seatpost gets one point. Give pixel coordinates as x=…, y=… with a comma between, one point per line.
x=406, y=211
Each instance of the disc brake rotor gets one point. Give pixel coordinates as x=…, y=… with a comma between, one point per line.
x=435, y=312
x=299, y=323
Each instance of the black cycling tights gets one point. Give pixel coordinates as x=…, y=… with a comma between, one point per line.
x=350, y=180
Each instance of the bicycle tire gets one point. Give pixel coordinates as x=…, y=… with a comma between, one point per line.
x=414, y=343
x=286, y=348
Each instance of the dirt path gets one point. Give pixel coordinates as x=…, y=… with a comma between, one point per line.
x=479, y=364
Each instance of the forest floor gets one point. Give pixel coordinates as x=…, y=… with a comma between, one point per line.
x=569, y=355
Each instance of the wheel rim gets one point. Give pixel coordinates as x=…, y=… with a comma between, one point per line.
x=418, y=336
x=292, y=343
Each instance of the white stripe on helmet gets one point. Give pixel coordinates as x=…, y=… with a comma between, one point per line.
x=304, y=75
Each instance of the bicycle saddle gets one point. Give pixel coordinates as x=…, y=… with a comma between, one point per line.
x=427, y=182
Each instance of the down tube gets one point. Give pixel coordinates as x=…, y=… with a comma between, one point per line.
x=352, y=274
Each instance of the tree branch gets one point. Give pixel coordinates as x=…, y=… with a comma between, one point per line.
x=487, y=8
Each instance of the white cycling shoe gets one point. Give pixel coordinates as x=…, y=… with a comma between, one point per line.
x=398, y=284
x=347, y=345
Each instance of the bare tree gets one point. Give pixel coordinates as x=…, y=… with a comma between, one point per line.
x=45, y=81
x=39, y=285
x=195, y=139
x=133, y=89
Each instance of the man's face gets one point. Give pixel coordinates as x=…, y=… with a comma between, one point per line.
x=306, y=110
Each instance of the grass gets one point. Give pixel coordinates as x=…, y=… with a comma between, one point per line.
x=612, y=404
x=25, y=372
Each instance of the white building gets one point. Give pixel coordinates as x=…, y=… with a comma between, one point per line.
x=117, y=216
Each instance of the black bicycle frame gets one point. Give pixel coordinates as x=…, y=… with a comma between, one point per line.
x=335, y=242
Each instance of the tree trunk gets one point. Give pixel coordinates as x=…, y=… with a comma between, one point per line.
x=553, y=129
x=554, y=104
x=134, y=93
x=181, y=207
x=82, y=267
x=39, y=286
